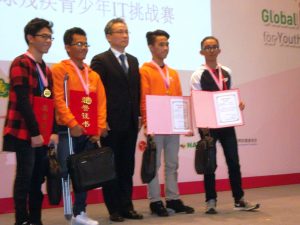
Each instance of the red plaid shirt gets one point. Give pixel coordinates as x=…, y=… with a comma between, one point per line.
x=23, y=72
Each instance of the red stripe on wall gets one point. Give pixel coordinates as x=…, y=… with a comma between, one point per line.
x=194, y=187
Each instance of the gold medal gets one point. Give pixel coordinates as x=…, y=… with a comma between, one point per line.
x=168, y=92
x=47, y=93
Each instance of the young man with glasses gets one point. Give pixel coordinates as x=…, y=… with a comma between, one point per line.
x=30, y=79
x=119, y=72
x=213, y=77
x=86, y=83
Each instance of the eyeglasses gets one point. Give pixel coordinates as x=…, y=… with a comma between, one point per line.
x=45, y=36
x=209, y=48
x=120, y=32
x=81, y=44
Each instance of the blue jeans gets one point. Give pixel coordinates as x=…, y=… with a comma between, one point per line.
x=79, y=144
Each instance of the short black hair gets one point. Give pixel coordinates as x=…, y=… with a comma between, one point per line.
x=35, y=25
x=206, y=38
x=108, y=27
x=151, y=35
x=68, y=36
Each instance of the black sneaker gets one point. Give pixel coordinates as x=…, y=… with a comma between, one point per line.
x=243, y=205
x=211, y=206
x=159, y=209
x=178, y=206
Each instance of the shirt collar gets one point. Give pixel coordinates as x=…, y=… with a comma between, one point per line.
x=117, y=53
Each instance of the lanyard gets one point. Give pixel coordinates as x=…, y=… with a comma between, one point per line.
x=39, y=69
x=85, y=85
x=165, y=77
x=219, y=82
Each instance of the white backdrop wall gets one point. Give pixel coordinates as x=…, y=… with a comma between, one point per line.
x=263, y=52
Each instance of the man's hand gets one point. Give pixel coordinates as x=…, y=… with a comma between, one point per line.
x=190, y=134
x=146, y=132
x=77, y=131
x=104, y=132
x=242, y=106
x=94, y=138
x=37, y=141
x=53, y=139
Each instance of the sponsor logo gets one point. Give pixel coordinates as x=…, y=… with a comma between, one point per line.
x=286, y=24
x=4, y=87
x=241, y=141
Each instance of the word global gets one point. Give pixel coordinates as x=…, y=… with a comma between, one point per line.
x=281, y=18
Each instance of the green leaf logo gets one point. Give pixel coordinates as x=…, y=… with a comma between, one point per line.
x=4, y=87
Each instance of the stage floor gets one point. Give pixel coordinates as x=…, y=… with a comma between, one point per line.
x=279, y=206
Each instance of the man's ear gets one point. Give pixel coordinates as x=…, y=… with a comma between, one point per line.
x=150, y=47
x=201, y=52
x=108, y=37
x=29, y=38
x=67, y=47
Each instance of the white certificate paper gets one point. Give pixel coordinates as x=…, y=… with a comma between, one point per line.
x=180, y=110
x=227, y=108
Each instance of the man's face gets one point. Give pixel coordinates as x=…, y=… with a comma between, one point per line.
x=78, y=48
x=41, y=41
x=119, y=37
x=210, y=49
x=160, y=48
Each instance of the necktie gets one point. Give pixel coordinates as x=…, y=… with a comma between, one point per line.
x=122, y=58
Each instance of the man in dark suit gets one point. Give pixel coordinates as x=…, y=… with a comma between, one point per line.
x=119, y=72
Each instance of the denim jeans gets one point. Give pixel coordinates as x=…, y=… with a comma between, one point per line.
x=227, y=138
x=63, y=151
x=30, y=173
x=169, y=146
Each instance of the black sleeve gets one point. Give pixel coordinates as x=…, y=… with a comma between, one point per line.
x=97, y=65
x=25, y=108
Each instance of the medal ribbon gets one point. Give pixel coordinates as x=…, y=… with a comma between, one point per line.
x=166, y=77
x=219, y=82
x=40, y=71
x=85, y=85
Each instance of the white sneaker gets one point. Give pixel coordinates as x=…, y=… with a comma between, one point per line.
x=211, y=206
x=83, y=219
x=243, y=205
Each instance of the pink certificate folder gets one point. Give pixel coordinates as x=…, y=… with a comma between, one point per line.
x=217, y=109
x=168, y=114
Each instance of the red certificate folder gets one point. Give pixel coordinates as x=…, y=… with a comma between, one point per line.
x=216, y=109
x=168, y=114
x=44, y=113
x=84, y=108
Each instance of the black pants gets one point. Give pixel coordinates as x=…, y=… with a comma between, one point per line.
x=30, y=173
x=123, y=145
x=227, y=138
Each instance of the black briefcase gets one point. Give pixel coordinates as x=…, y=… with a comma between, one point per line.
x=53, y=177
x=205, y=156
x=148, y=170
x=91, y=168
